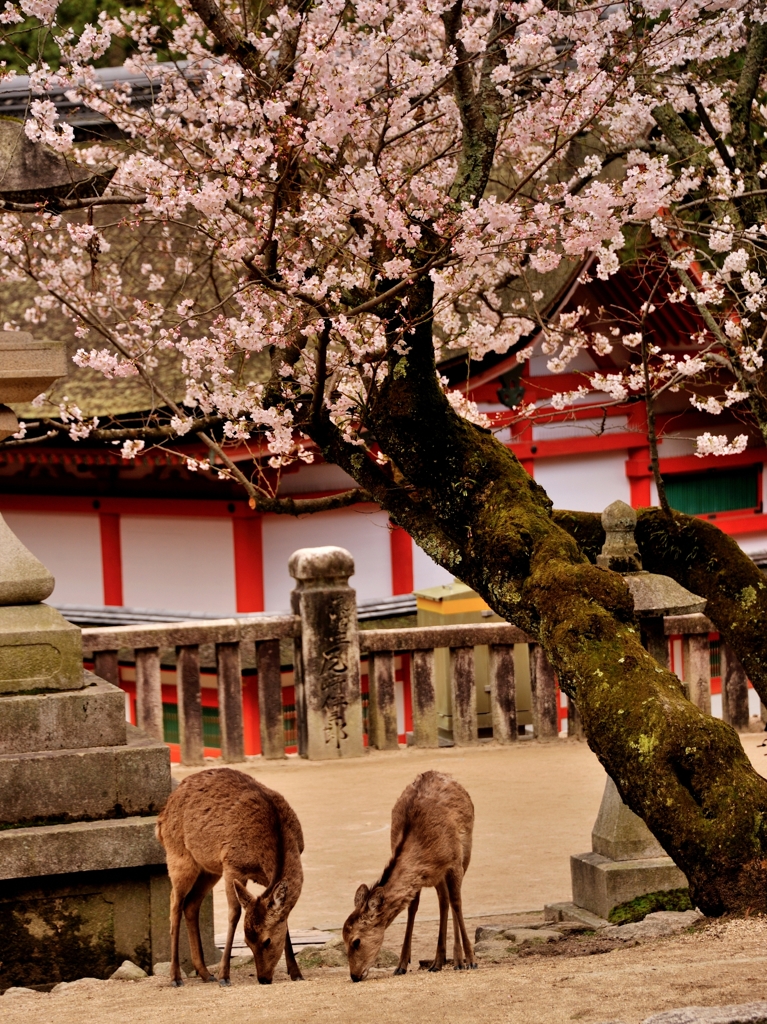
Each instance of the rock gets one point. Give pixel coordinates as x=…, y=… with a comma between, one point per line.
x=662, y=922
x=237, y=961
x=492, y=949
x=488, y=932
x=76, y=986
x=20, y=991
x=162, y=970
x=386, y=958
x=741, y=1013
x=519, y=936
x=322, y=956
x=128, y=971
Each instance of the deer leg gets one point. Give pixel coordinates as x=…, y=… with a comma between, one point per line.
x=234, y=916
x=404, y=957
x=192, y=904
x=294, y=971
x=183, y=874
x=439, y=959
x=454, y=881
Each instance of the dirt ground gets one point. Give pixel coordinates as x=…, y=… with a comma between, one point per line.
x=535, y=805
x=725, y=964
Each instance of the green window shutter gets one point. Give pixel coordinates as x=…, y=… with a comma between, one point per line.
x=719, y=490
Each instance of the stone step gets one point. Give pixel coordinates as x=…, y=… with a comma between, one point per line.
x=79, y=846
x=67, y=720
x=89, y=784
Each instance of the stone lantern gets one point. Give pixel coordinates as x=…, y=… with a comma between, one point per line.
x=626, y=860
x=83, y=884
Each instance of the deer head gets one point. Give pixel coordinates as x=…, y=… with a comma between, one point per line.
x=265, y=926
x=364, y=930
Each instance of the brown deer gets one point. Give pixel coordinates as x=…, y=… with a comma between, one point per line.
x=431, y=828
x=222, y=822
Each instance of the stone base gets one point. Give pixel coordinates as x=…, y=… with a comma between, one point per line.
x=64, y=927
x=599, y=884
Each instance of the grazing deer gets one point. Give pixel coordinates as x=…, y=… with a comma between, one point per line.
x=222, y=822
x=431, y=827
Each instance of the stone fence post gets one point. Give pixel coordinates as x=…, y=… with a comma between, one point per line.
x=327, y=655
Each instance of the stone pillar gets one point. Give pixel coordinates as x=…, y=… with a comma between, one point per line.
x=543, y=683
x=734, y=689
x=696, y=654
x=327, y=669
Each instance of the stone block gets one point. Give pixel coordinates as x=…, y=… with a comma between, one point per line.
x=66, y=720
x=599, y=883
x=569, y=913
x=61, y=928
x=79, y=785
x=39, y=650
x=79, y=846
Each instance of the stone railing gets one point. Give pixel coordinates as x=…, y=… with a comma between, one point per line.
x=227, y=635
x=328, y=651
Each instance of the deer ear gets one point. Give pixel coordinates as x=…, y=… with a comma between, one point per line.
x=376, y=899
x=279, y=895
x=360, y=896
x=243, y=895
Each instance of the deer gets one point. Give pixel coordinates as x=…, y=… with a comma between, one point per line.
x=431, y=833
x=222, y=822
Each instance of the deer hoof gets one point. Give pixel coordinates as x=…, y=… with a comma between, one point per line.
x=459, y=967
x=224, y=982
x=472, y=967
x=208, y=979
x=177, y=983
x=400, y=970
x=435, y=968
x=297, y=977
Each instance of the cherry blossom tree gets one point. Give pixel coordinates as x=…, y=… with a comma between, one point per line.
x=325, y=198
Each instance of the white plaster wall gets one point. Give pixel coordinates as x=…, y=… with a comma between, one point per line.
x=427, y=573
x=586, y=484
x=365, y=534
x=179, y=564
x=69, y=545
x=591, y=427
x=320, y=477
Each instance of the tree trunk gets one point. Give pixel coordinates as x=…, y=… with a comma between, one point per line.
x=473, y=508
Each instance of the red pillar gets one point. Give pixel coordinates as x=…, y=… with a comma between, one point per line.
x=248, y=564
x=401, y=547
x=638, y=468
x=111, y=558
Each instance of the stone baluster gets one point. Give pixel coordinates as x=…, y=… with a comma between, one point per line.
x=106, y=666
x=149, y=692
x=270, y=699
x=696, y=654
x=189, y=704
x=543, y=685
x=503, y=693
x=229, y=681
x=327, y=656
x=382, y=707
x=464, y=696
x=424, y=699
x=734, y=689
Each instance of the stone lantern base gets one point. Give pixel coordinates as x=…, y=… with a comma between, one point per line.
x=626, y=860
